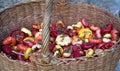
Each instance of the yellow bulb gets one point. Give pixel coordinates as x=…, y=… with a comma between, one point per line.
x=85, y=33
x=27, y=52
x=59, y=48
x=89, y=52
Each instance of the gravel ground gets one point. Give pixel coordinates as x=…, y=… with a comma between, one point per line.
x=112, y=5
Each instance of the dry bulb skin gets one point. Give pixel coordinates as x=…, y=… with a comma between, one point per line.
x=89, y=52
x=78, y=25
x=36, y=46
x=99, y=52
x=107, y=35
x=27, y=31
x=37, y=26
x=70, y=27
x=79, y=41
x=63, y=40
x=38, y=34
x=106, y=40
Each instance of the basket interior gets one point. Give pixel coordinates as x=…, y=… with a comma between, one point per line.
x=25, y=14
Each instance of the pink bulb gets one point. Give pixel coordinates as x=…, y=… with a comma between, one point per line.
x=34, y=31
x=51, y=46
x=114, y=34
x=18, y=35
x=86, y=46
x=84, y=23
x=54, y=33
x=7, y=49
x=107, y=29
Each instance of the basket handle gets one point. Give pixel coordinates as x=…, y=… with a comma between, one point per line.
x=46, y=30
x=63, y=2
x=46, y=25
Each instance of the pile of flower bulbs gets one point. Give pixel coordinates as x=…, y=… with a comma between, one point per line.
x=66, y=41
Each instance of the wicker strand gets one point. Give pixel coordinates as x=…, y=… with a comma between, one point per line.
x=46, y=30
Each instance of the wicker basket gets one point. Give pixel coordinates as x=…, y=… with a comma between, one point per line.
x=27, y=13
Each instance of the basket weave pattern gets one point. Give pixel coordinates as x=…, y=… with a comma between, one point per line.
x=25, y=14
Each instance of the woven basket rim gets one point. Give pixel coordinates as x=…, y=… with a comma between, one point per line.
x=22, y=62
x=25, y=2
x=18, y=4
